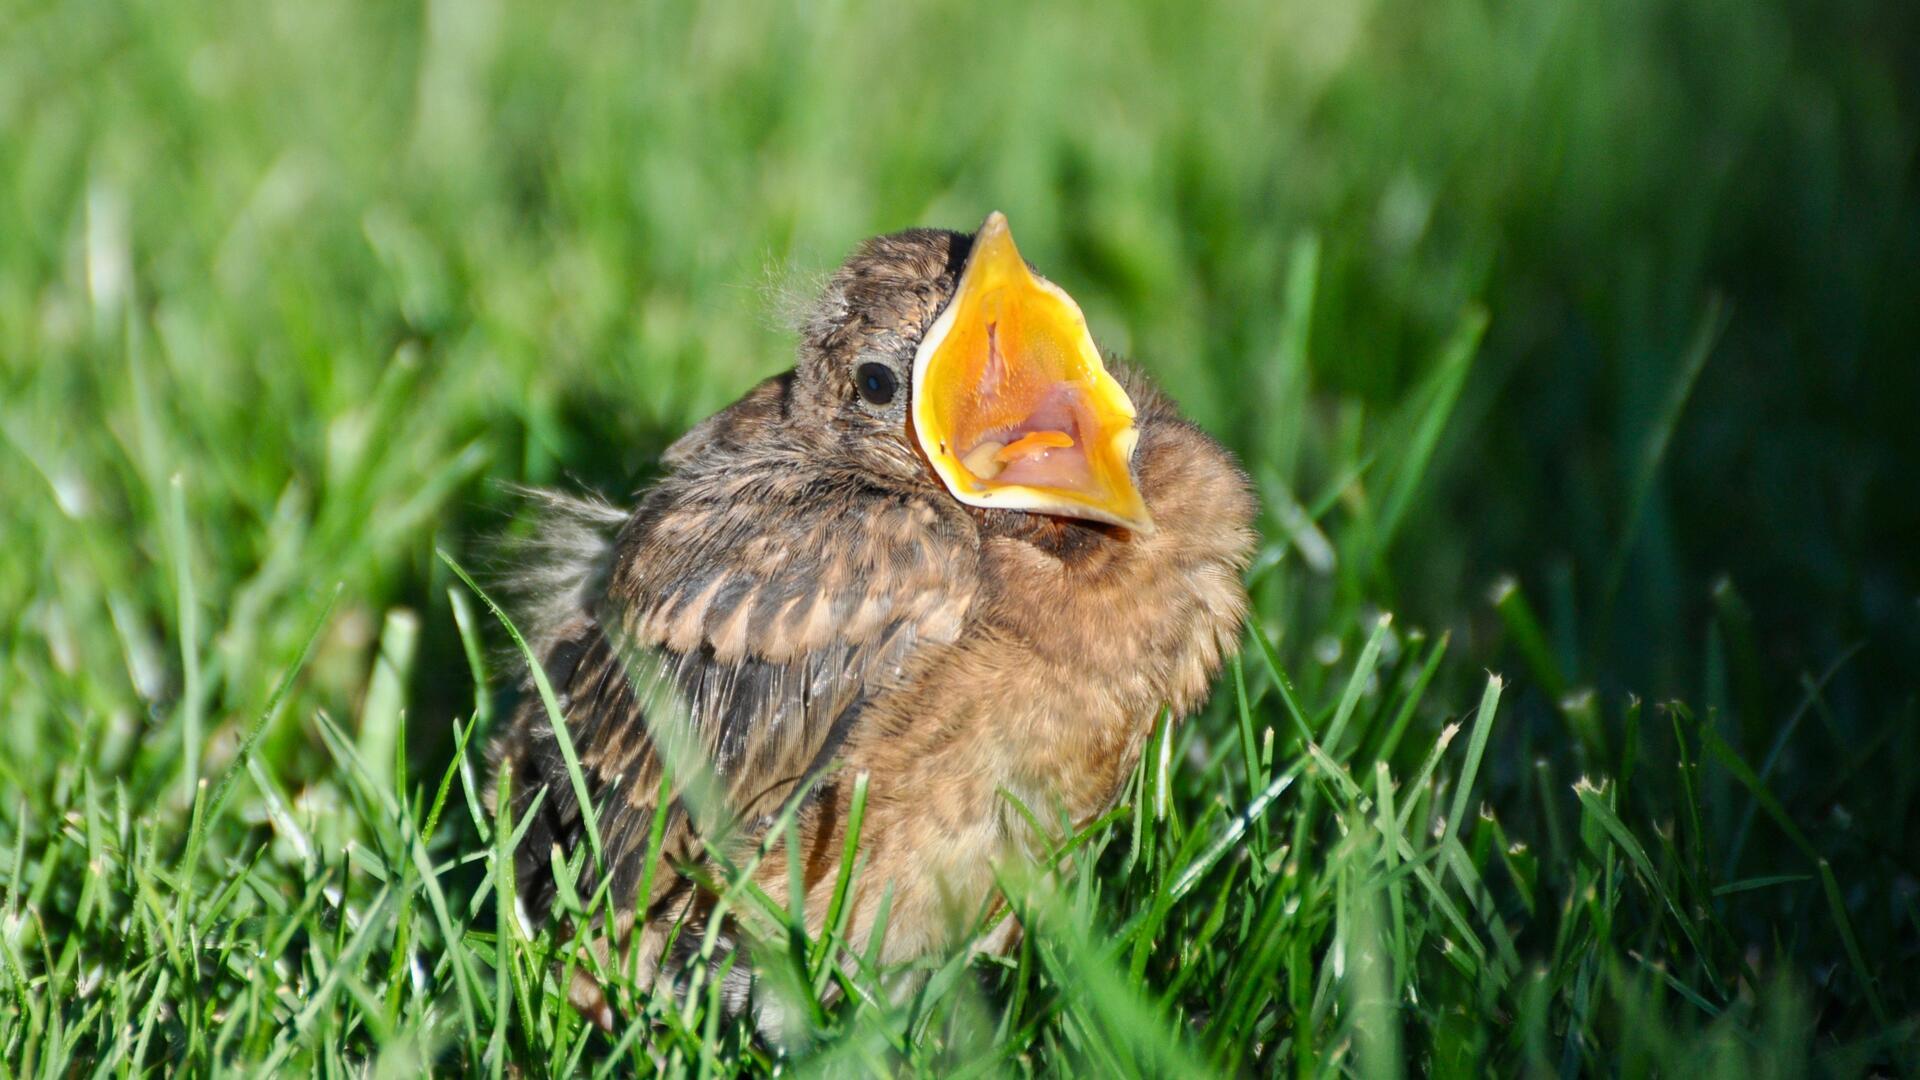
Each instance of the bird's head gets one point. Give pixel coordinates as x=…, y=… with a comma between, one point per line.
x=941, y=357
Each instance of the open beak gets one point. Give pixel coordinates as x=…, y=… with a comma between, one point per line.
x=1011, y=402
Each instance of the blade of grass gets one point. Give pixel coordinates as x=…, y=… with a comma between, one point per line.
x=1435, y=405
x=1476, y=749
x=563, y=738
x=1356, y=684
x=1654, y=453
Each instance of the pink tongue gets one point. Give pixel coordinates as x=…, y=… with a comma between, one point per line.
x=1055, y=467
x=1031, y=456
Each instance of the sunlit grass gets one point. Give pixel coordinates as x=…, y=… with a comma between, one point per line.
x=1569, y=348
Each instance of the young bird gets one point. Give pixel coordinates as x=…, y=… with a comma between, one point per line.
x=950, y=552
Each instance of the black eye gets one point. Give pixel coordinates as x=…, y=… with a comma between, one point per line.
x=876, y=382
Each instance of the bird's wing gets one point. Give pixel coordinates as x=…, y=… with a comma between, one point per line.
x=749, y=611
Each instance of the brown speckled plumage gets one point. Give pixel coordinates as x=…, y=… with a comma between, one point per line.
x=801, y=597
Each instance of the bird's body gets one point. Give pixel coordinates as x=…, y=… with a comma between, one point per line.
x=802, y=601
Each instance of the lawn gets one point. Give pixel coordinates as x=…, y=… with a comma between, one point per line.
x=1573, y=348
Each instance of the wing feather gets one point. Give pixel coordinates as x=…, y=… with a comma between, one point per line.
x=752, y=603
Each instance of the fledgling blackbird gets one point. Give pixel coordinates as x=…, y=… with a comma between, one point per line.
x=949, y=550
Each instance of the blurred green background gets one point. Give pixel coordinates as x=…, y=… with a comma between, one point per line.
x=287, y=287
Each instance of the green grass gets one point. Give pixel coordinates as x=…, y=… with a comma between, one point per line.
x=1577, y=338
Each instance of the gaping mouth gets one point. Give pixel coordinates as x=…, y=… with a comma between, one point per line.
x=1011, y=402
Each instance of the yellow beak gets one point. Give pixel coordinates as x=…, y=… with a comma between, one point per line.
x=1011, y=402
